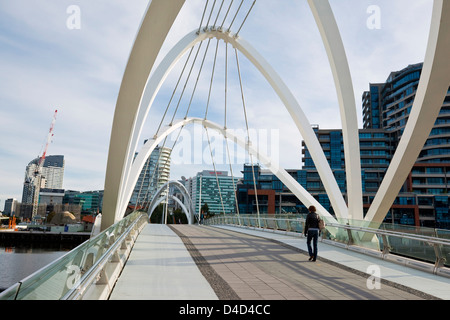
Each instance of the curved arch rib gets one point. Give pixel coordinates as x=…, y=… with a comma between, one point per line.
x=189, y=210
x=344, y=86
x=161, y=199
x=277, y=84
x=157, y=21
x=305, y=197
x=433, y=86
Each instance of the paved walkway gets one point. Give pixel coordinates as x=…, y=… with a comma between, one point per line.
x=185, y=262
x=160, y=268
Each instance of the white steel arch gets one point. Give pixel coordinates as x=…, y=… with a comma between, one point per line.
x=157, y=201
x=281, y=173
x=157, y=21
x=433, y=85
x=275, y=81
x=161, y=199
x=187, y=207
x=344, y=88
x=131, y=106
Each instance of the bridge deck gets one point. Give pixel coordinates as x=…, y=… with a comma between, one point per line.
x=185, y=262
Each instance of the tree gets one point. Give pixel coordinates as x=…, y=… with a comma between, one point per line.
x=157, y=214
x=205, y=209
x=179, y=216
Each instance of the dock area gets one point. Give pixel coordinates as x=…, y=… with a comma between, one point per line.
x=42, y=237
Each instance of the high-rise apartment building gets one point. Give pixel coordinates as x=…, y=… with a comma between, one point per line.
x=10, y=207
x=424, y=198
x=219, y=198
x=389, y=104
x=154, y=174
x=52, y=176
x=271, y=195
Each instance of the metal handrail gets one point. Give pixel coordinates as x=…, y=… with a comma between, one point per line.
x=434, y=240
x=92, y=274
x=124, y=227
x=418, y=237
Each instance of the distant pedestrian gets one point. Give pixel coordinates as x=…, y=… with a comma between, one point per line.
x=311, y=231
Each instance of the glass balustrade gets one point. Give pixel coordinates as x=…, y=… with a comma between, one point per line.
x=420, y=243
x=56, y=279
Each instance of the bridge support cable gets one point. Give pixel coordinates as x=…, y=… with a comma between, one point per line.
x=248, y=134
x=160, y=124
x=225, y=128
x=179, y=101
x=206, y=129
x=210, y=14
x=226, y=15
x=215, y=171
x=235, y=15
x=245, y=19
x=185, y=85
x=198, y=77
x=203, y=17
x=212, y=79
x=149, y=197
x=173, y=92
x=190, y=41
x=218, y=14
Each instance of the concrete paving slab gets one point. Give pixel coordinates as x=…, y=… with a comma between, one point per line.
x=428, y=283
x=185, y=262
x=161, y=268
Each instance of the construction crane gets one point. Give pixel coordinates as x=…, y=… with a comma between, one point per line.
x=37, y=176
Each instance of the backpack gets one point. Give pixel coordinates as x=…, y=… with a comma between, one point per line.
x=321, y=223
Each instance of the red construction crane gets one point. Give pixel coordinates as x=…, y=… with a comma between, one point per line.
x=38, y=171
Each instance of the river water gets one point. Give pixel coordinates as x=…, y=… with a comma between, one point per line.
x=16, y=263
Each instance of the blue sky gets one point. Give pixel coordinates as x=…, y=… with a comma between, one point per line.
x=44, y=66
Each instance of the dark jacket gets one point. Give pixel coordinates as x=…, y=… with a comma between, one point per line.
x=312, y=222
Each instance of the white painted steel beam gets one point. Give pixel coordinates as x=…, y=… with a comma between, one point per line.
x=277, y=84
x=189, y=210
x=305, y=197
x=157, y=201
x=136, y=96
x=157, y=21
x=332, y=40
x=433, y=86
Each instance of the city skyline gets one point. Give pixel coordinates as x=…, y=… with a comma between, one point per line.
x=48, y=66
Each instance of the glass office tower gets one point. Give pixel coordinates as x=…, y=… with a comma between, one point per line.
x=204, y=190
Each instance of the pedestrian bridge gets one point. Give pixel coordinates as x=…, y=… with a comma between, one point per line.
x=135, y=260
x=252, y=256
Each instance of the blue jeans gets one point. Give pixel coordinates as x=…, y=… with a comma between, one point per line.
x=314, y=236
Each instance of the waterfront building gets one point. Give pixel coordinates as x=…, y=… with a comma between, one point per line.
x=49, y=196
x=10, y=207
x=203, y=189
x=423, y=199
x=52, y=176
x=154, y=174
x=271, y=195
x=90, y=202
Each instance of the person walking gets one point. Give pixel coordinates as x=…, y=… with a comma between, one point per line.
x=311, y=231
